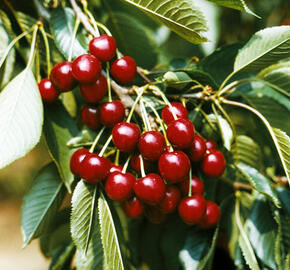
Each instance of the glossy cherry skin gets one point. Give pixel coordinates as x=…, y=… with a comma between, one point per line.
x=136, y=163
x=94, y=168
x=62, y=78
x=180, y=133
x=170, y=200
x=125, y=136
x=76, y=159
x=112, y=113
x=103, y=47
x=124, y=69
x=191, y=209
x=174, y=166
x=154, y=214
x=177, y=108
x=119, y=186
x=95, y=91
x=150, y=188
x=115, y=168
x=86, y=68
x=133, y=208
x=211, y=145
x=47, y=91
x=213, y=164
x=197, y=150
x=90, y=116
x=197, y=186
x=151, y=145
x=211, y=216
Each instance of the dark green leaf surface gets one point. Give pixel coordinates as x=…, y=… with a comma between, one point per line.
x=236, y=4
x=61, y=260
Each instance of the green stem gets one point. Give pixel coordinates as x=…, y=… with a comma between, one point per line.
x=143, y=174
x=109, y=82
x=96, y=140
x=107, y=31
x=38, y=76
x=47, y=51
x=226, y=80
x=126, y=164
x=91, y=17
x=145, y=116
x=77, y=23
x=32, y=50
x=117, y=157
x=189, y=187
x=105, y=146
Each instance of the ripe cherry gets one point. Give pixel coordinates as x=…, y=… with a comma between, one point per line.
x=76, y=159
x=197, y=186
x=95, y=91
x=150, y=188
x=112, y=113
x=192, y=209
x=174, y=166
x=124, y=69
x=90, y=116
x=47, y=91
x=211, y=145
x=125, y=136
x=133, y=207
x=176, y=107
x=180, y=133
x=86, y=68
x=154, y=214
x=213, y=164
x=103, y=47
x=136, y=163
x=170, y=200
x=211, y=216
x=151, y=145
x=115, y=168
x=62, y=78
x=197, y=150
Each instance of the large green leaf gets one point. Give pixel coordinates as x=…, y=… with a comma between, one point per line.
x=62, y=258
x=41, y=203
x=21, y=117
x=181, y=16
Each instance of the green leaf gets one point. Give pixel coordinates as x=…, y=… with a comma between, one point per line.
x=41, y=203
x=181, y=16
x=25, y=22
x=21, y=117
x=61, y=260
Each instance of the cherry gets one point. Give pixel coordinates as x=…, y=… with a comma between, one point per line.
x=154, y=214
x=115, y=168
x=213, y=164
x=176, y=107
x=197, y=186
x=211, y=145
x=136, y=163
x=86, y=68
x=76, y=159
x=47, y=91
x=211, y=216
x=124, y=69
x=197, y=150
x=62, y=78
x=151, y=145
x=192, y=209
x=133, y=207
x=112, y=113
x=103, y=47
x=180, y=133
x=95, y=91
x=150, y=188
x=174, y=166
x=125, y=136
x=90, y=116
x=171, y=199
x=94, y=168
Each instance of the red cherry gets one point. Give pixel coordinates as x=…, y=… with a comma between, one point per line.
x=103, y=47
x=192, y=209
x=171, y=199
x=150, y=188
x=124, y=69
x=197, y=186
x=176, y=107
x=174, y=166
x=119, y=186
x=136, y=163
x=133, y=208
x=62, y=78
x=112, y=113
x=95, y=91
x=154, y=214
x=197, y=150
x=213, y=164
x=47, y=91
x=125, y=136
x=211, y=145
x=86, y=68
x=151, y=145
x=90, y=116
x=115, y=168
x=180, y=133
x=94, y=168
x=76, y=159
x=211, y=216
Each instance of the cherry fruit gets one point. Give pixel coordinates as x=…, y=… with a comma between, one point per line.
x=112, y=113
x=213, y=164
x=47, y=91
x=90, y=116
x=115, y=168
x=95, y=91
x=124, y=69
x=211, y=145
x=136, y=163
x=197, y=186
x=133, y=207
x=177, y=108
x=197, y=150
x=170, y=200
x=211, y=216
x=76, y=159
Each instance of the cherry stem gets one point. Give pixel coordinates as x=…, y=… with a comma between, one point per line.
x=126, y=164
x=109, y=82
x=143, y=174
x=106, y=30
x=37, y=65
x=96, y=140
x=117, y=157
x=144, y=115
x=32, y=50
x=189, y=187
x=77, y=23
x=47, y=51
x=91, y=17
x=105, y=146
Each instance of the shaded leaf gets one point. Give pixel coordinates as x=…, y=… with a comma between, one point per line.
x=61, y=260
x=25, y=22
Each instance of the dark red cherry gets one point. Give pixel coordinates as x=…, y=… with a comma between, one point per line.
x=192, y=209
x=112, y=113
x=124, y=69
x=170, y=200
x=94, y=168
x=115, y=168
x=197, y=186
x=154, y=214
x=62, y=78
x=76, y=159
x=180, y=133
x=197, y=150
x=177, y=108
x=213, y=164
x=211, y=145
x=103, y=47
x=174, y=166
x=136, y=163
x=90, y=116
x=211, y=216
x=133, y=207
x=150, y=188
x=47, y=91
x=95, y=91
x=86, y=68
x=125, y=136
x=151, y=145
